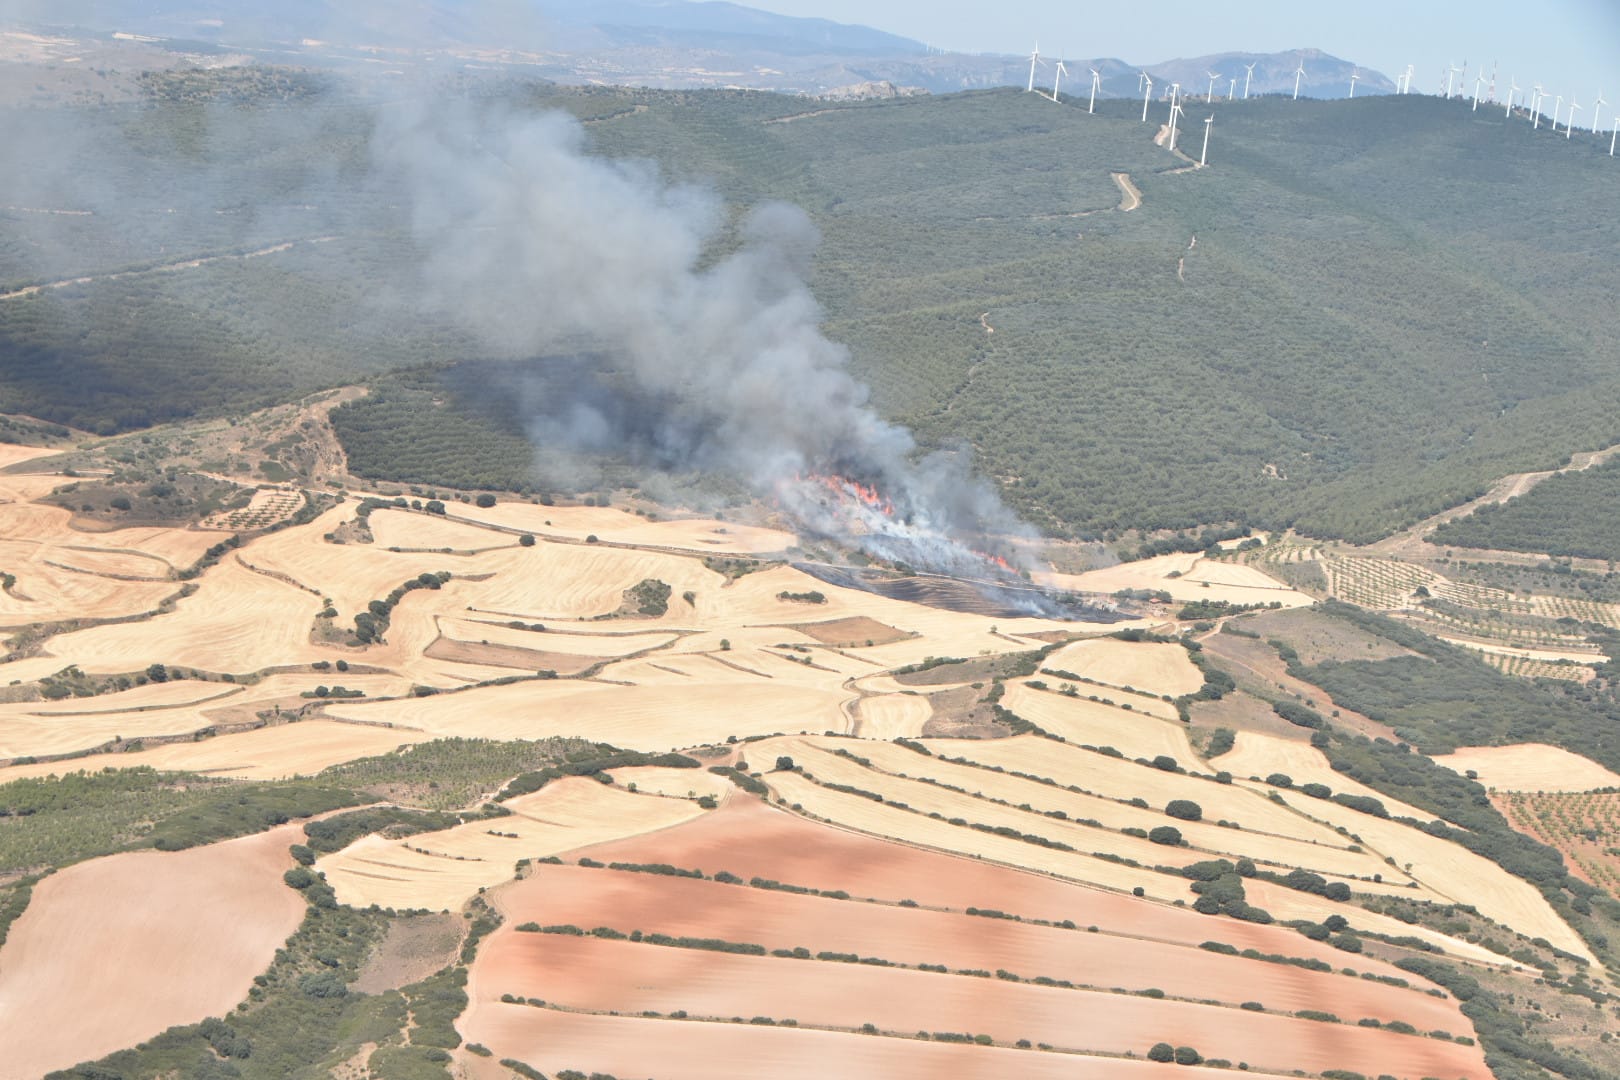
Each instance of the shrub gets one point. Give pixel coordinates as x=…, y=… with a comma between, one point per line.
x=526, y=540
x=1162, y=1052
x=1184, y=810
x=484, y=501
x=1168, y=835
x=1186, y=1055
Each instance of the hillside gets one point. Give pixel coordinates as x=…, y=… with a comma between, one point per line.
x=1372, y=324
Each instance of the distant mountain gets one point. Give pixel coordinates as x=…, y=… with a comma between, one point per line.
x=677, y=44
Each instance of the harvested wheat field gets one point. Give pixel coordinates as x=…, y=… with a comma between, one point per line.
x=1529, y=767
x=703, y=535
x=206, y=630
x=599, y=975
x=1132, y=732
x=1114, y=779
x=551, y=1040
x=1258, y=754
x=115, y=950
x=1324, y=851
x=47, y=593
x=267, y=753
x=672, y=782
x=1158, y=668
x=1196, y=578
x=442, y=870
x=915, y=827
x=892, y=716
x=407, y=531
x=679, y=907
x=1454, y=873
x=657, y=717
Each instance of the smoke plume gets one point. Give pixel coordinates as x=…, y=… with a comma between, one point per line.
x=540, y=248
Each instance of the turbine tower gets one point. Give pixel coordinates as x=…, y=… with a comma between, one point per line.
x=1597, y=106
x=1451, y=70
x=1203, y=159
x=1209, y=98
x=1034, y=58
x=1355, y=73
x=1057, y=78
x=1175, y=111
x=1146, y=94
x=1411, y=69
x=1513, y=88
x=1299, y=73
x=1249, y=74
x=1231, y=88
x=1535, y=107
x=1096, y=78
x=1615, y=136
x=1558, y=107
x=1479, y=84
x=1569, y=125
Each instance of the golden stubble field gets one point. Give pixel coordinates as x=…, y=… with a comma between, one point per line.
x=526, y=641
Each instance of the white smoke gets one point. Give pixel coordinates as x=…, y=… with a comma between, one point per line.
x=540, y=248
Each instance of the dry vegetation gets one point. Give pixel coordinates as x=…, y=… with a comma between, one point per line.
x=368, y=627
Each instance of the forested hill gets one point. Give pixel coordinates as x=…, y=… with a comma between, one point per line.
x=1390, y=301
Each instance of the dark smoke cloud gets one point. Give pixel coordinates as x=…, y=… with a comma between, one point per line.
x=540, y=248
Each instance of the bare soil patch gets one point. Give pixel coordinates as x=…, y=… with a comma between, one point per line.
x=414, y=948
x=508, y=656
x=852, y=632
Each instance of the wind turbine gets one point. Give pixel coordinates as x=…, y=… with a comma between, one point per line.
x=1615, y=136
x=1209, y=98
x=1596, y=106
x=1535, y=107
x=1411, y=69
x=1249, y=69
x=1452, y=70
x=1569, y=125
x=1146, y=94
x=1175, y=111
x=1479, y=84
x=1204, y=157
x=1355, y=73
x=1462, y=81
x=1231, y=88
x=1513, y=88
x=1034, y=58
x=1558, y=107
x=1095, y=80
x=1057, y=78
x=1299, y=73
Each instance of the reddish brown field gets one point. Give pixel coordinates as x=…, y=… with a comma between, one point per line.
x=750, y=839
x=629, y=1046
x=777, y=920
x=671, y=1050
x=115, y=950
x=597, y=975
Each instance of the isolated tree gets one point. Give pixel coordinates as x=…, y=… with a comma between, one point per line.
x=1168, y=835
x=1162, y=1052
x=485, y=501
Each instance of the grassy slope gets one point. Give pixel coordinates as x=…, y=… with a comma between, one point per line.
x=1353, y=261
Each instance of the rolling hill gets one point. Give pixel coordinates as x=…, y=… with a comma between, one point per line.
x=1351, y=320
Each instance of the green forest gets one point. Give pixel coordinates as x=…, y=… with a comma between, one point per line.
x=1574, y=513
x=1324, y=329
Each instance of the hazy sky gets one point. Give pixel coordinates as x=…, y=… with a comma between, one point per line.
x=1569, y=46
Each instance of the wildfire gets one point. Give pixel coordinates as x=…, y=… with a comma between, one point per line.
x=862, y=511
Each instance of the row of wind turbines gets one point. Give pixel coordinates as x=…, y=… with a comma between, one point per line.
x=1530, y=106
